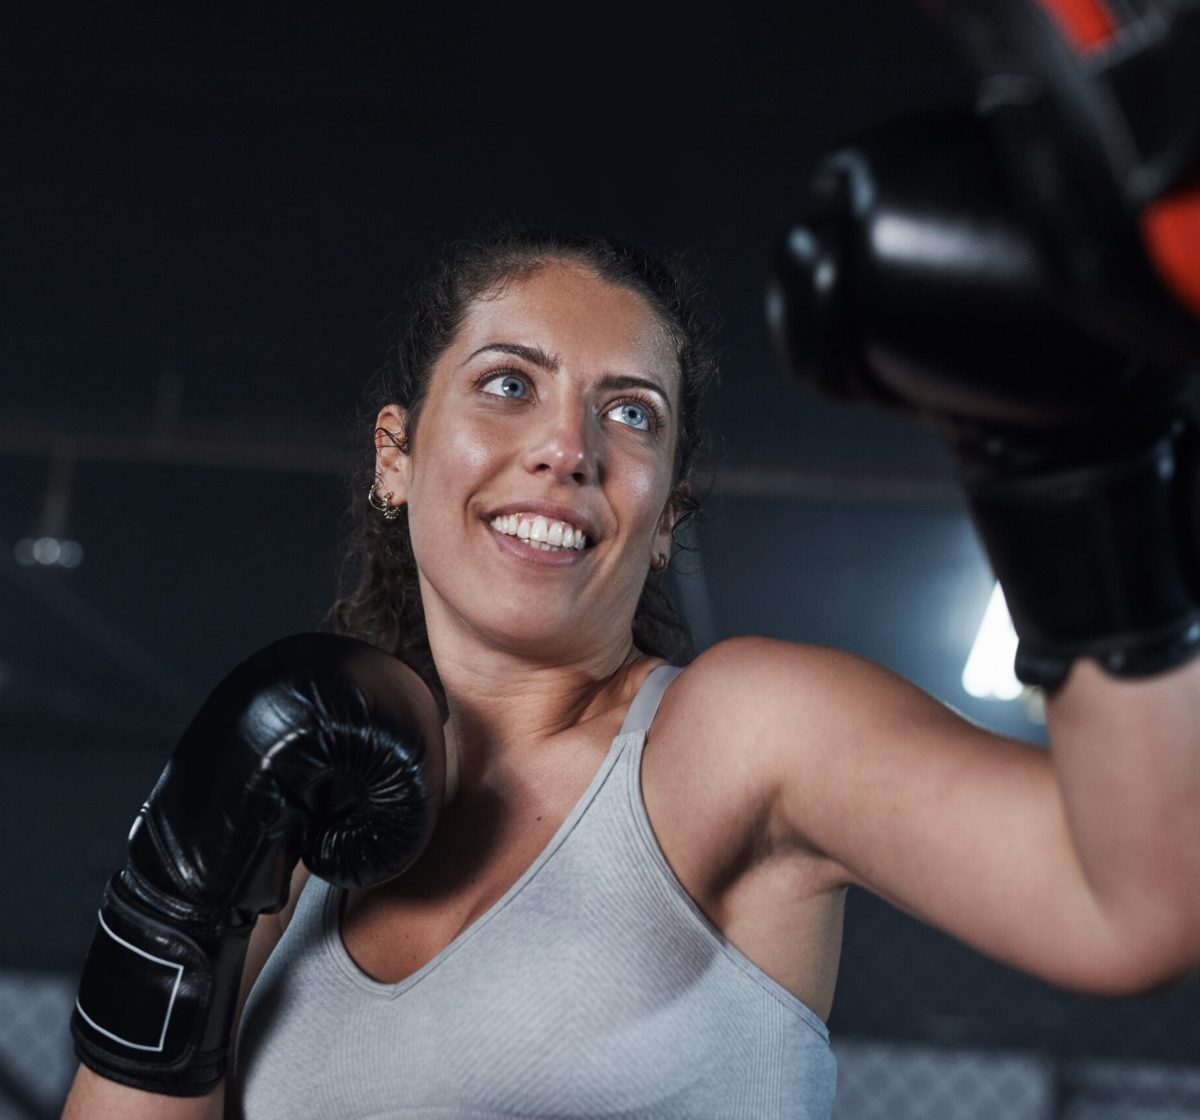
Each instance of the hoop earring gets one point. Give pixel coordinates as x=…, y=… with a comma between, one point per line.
x=382, y=501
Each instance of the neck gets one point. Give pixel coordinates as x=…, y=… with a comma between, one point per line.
x=506, y=705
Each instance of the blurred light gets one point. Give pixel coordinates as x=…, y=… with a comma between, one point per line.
x=988, y=673
x=48, y=552
x=70, y=554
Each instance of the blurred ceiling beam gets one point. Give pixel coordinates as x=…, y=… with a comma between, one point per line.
x=853, y=482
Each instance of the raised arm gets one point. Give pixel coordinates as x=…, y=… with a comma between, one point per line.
x=1078, y=865
x=1003, y=278
x=1127, y=756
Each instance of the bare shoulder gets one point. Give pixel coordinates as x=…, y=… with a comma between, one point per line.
x=746, y=716
x=757, y=667
x=810, y=737
x=746, y=685
x=720, y=704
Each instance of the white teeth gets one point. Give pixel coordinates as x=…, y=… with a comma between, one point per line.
x=538, y=531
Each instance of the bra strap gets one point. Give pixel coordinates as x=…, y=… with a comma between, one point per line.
x=645, y=703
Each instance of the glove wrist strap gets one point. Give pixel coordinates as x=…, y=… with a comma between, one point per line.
x=155, y=1005
x=1091, y=561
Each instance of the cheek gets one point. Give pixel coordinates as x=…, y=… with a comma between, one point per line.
x=455, y=455
x=450, y=463
x=475, y=450
x=648, y=489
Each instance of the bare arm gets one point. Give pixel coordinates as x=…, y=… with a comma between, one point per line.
x=1078, y=865
x=1127, y=758
x=93, y=1097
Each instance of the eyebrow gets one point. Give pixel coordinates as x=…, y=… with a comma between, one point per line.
x=534, y=354
x=628, y=381
x=551, y=363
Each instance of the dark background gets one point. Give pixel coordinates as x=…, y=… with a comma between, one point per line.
x=206, y=216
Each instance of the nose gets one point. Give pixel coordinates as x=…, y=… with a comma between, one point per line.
x=564, y=447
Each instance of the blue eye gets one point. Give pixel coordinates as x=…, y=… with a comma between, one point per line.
x=507, y=385
x=634, y=415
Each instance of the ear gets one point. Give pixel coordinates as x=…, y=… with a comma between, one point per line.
x=663, y=536
x=392, y=462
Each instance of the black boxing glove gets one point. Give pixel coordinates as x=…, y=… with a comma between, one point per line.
x=918, y=283
x=319, y=748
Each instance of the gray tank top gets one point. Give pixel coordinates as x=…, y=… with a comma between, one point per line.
x=595, y=987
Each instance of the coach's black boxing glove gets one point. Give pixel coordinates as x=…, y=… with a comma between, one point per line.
x=919, y=283
x=319, y=748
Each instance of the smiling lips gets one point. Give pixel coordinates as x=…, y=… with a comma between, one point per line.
x=541, y=532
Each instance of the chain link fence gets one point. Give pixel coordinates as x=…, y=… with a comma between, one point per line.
x=36, y=1060
x=880, y=1080
x=924, y=1027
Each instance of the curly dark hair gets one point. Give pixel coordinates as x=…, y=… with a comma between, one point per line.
x=379, y=598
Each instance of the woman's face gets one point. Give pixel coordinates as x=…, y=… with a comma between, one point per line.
x=552, y=414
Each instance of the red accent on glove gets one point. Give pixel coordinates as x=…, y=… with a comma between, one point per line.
x=1087, y=25
x=1171, y=231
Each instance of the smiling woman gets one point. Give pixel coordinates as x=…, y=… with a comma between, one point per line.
x=629, y=876
x=381, y=602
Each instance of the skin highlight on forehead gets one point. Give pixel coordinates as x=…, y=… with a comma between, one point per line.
x=663, y=342
x=523, y=274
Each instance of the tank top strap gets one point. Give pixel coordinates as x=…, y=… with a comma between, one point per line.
x=645, y=703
